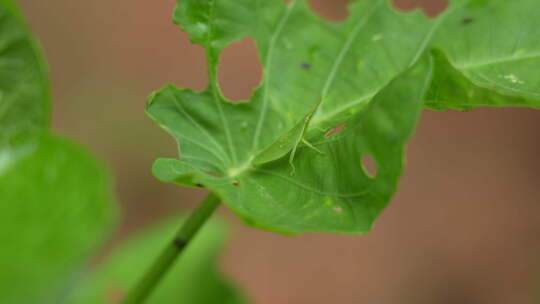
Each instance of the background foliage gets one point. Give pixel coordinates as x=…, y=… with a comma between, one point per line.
x=57, y=206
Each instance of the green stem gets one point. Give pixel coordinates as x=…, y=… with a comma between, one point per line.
x=174, y=248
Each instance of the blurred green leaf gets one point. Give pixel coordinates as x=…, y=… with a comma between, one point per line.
x=193, y=279
x=488, y=55
x=56, y=206
x=24, y=86
x=318, y=75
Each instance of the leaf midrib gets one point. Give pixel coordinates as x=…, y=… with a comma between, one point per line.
x=423, y=45
x=272, y=43
x=503, y=59
x=307, y=188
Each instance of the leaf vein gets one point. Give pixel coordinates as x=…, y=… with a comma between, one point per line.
x=267, y=78
x=308, y=188
x=180, y=108
x=493, y=61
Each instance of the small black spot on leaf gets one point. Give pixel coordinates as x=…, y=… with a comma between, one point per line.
x=236, y=183
x=179, y=243
x=467, y=20
x=305, y=65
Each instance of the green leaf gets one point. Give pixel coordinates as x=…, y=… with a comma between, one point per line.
x=193, y=279
x=259, y=156
x=55, y=209
x=56, y=204
x=491, y=56
x=24, y=86
x=329, y=191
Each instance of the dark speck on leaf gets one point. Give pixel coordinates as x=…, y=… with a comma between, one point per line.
x=236, y=183
x=467, y=20
x=179, y=243
x=305, y=66
x=199, y=185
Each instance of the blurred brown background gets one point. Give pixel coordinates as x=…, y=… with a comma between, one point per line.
x=463, y=228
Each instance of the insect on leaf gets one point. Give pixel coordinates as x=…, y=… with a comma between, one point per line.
x=268, y=158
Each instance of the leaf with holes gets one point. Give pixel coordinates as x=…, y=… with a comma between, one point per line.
x=487, y=54
x=269, y=159
x=193, y=279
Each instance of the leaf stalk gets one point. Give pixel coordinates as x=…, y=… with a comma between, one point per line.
x=172, y=251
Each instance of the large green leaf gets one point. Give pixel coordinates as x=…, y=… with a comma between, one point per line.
x=24, y=87
x=317, y=75
x=193, y=279
x=55, y=208
x=488, y=54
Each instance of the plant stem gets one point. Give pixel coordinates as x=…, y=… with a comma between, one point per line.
x=174, y=248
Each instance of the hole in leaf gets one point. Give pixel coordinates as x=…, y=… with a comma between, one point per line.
x=369, y=166
x=240, y=70
x=430, y=7
x=335, y=130
x=338, y=209
x=331, y=10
